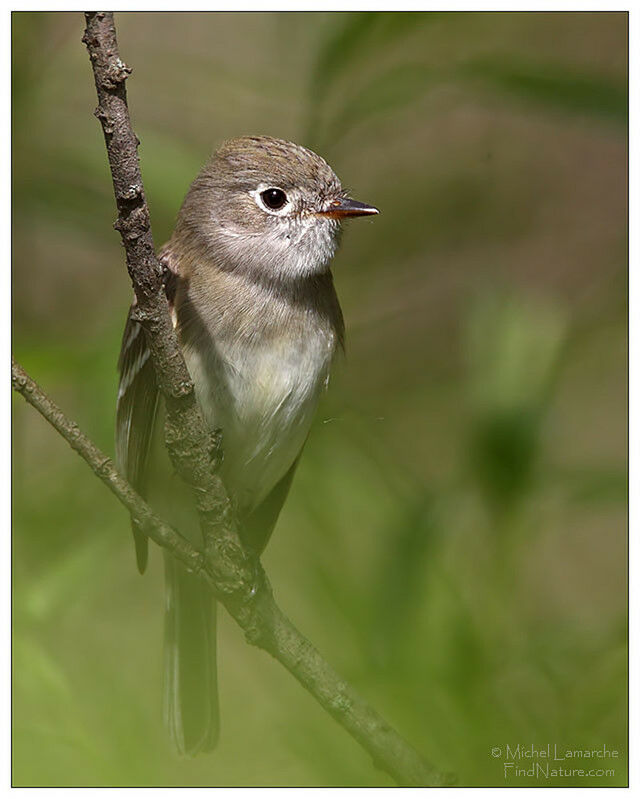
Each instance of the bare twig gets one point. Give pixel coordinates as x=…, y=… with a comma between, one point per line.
x=237, y=580
x=265, y=626
x=188, y=439
x=103, y=467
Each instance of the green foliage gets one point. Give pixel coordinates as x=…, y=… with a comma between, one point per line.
x=363, y=43
x=455, y=539
x=553, y=88
x=514, y=354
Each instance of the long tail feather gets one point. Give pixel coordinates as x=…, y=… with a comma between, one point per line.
x=190, y=679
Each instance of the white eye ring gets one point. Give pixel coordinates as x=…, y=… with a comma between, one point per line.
x=271, y=199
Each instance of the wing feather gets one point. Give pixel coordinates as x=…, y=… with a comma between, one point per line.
x=136, y=413
x=256, y=528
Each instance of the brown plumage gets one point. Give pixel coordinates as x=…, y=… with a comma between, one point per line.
x=258, y=319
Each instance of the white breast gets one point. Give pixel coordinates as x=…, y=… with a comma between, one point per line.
x=263, y=398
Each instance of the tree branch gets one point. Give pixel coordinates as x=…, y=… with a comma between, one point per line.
x=102, y=466
x=188, y=440
x=265, y=625
x=237, y=580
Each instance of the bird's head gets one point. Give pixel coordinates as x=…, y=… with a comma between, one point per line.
x=267, y=205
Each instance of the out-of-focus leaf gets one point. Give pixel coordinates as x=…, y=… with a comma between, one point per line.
x=403, y=569
x=547, y=85
x=397, y=87
x=363, y=32
x=512, y=348
x=503, y=447
x=357, y=41
x=596, y=486
x=338, y=50
x=513, y=353
x=341, y=49
x=28, y=36
x=66, y=180
x=169, y=166
x=41, y=673
x=73, y=572
x=551, y=86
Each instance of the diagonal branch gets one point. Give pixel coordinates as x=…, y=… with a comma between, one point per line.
x=102, y=466
x=188, y=439
x=235, y=577
x=265, y=626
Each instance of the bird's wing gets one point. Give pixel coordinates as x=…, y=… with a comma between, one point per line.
x=256, y=529
x=138, y=402
x=135, y=418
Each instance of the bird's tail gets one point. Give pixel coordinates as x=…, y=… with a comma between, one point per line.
x=190, y=675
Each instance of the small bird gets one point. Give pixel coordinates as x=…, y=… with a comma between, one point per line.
x=258, y=321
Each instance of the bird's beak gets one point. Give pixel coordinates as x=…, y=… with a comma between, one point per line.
x=345, y=207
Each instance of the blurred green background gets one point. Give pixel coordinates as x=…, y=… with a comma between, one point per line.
x=455, y=540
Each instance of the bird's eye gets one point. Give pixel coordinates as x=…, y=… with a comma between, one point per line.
x=274, y=198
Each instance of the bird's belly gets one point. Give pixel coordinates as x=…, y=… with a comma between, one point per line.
x=263, y=400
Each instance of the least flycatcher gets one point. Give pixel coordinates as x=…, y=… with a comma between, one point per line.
x=258, y=321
